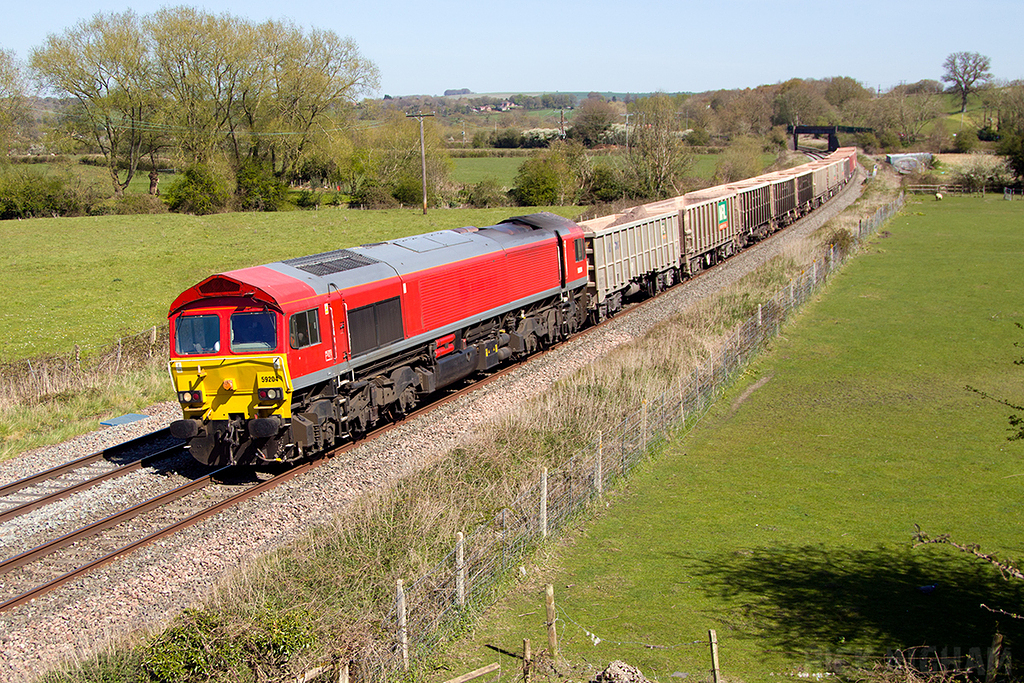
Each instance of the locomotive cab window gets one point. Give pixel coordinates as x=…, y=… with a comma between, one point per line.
x=579, y=250
x=253, y=332
x=197, y=334
x=304, y=329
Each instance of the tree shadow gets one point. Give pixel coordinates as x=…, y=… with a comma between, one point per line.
x=809, y=598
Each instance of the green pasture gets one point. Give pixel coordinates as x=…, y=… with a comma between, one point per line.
x=67, y=281
x=472, y=170
x=785, y=519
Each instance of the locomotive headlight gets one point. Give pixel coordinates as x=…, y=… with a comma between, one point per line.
x=270, y=394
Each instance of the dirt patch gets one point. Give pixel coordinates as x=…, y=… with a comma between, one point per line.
x=747, y=392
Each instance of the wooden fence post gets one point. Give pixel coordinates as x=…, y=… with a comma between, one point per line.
x=403, y=636
x=460, y=569
x=995, y=657
x=527, y=656
x=716, y=673
x=598, y=466
x=343, y=673
x=544, y=502
x=549, y=601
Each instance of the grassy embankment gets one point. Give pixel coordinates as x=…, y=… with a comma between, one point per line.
x=327, y=592
x=785, y=520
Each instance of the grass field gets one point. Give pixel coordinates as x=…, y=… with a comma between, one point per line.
x=85, y=281
x=785, y=519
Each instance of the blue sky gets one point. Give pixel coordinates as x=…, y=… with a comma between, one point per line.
x=679, y=45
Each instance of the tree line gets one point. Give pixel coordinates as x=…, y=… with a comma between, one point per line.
x=200, y=88
x=245, y=109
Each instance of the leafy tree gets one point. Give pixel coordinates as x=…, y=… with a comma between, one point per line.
x=12, y=100
x=841, y=90
x=486, y=194
x=536, y=183
x=592, y=121
x=197, y=190
x=606, y=185
x=269, y=92
x=925, y=86
x=748, y=113
x=1012, y=147
x=104, y=64
x=25, y=193
x=966, y=141
x=557, y=177
x=507, y=138
x=258, y=189
x=799, y=102
x=967, y=72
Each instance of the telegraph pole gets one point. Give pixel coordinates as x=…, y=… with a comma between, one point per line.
x=423, y=156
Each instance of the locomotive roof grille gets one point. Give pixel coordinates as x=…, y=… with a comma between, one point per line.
x=330, y=262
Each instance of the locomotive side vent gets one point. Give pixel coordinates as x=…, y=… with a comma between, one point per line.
x=331, y=262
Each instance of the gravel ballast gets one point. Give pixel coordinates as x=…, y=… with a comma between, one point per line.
x=146, y=589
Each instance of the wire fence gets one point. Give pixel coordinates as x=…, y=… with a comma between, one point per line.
x=35, y=379
x=445, y=599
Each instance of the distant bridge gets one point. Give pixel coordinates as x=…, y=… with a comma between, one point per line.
x=831, y=131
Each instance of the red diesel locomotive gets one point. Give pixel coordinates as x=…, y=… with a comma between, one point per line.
x=280, y=360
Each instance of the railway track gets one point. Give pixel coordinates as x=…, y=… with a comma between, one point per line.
x=39, y=570
x=38, y=490
x=813, y=152
x=33, y=573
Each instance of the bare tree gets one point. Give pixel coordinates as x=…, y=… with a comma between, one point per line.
x=967, y=72
x=12, y=100
x=906, y=114
x=657, y=157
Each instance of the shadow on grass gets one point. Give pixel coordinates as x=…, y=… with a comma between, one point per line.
x=812, y=599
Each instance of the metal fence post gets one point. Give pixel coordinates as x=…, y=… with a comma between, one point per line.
x=598, y=466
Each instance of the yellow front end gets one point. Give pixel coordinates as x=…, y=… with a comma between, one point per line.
x=232, y=386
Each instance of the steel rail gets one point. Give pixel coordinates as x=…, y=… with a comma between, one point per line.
x=31, y=505
x=54, y=472
x=169, y=530
x=113, y=520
